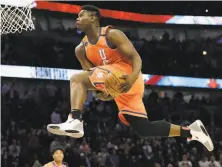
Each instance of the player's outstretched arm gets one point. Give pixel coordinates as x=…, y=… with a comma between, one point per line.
x=81, y=56
x=118, y=39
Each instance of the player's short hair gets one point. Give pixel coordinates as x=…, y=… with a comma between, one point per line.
x=57, y=147
x=93, y=9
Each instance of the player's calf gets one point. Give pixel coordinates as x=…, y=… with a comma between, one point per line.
x=161, y=128
x=196, y=131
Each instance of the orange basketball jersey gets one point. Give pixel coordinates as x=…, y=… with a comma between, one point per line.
x=108, y=59
x=101, y=53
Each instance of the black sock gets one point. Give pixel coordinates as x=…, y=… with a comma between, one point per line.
x=76, y=114
x=185, y=133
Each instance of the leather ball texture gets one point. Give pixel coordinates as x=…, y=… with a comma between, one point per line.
x=114, y=82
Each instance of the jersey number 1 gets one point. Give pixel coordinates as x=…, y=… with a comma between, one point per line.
x=103, y=56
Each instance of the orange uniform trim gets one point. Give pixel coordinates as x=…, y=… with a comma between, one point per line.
x=124, y=112
x=139, y=114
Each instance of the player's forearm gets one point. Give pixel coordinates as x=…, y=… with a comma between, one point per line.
x=137, y=65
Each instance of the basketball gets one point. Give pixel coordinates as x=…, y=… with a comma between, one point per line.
x=113, y=82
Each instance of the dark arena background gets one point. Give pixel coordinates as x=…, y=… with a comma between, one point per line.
x=180, y=44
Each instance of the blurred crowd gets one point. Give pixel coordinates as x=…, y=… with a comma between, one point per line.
x=29, y=105
x=165, y=56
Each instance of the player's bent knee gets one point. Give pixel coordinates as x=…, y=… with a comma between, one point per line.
x=75, y=79
x=81, y=78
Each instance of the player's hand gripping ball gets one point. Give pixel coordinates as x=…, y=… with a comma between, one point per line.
x=114, y=82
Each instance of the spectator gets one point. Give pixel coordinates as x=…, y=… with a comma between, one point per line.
x=213, y=162
x=55, y=116
x=102, y=157
x=14, y=148
x=112, y=159
x=204, y=162
x=194, y=156
x=84, y=161
x=33, y=143
x=185, y=162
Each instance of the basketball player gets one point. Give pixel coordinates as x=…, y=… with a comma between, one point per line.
x=58, y=156
x=104, y=50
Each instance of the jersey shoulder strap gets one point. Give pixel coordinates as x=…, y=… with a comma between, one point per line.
x=84, y=39
x=104, y=30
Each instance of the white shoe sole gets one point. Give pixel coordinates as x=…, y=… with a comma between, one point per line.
x=198, y=126
x=54, y=129
x=75, y=135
